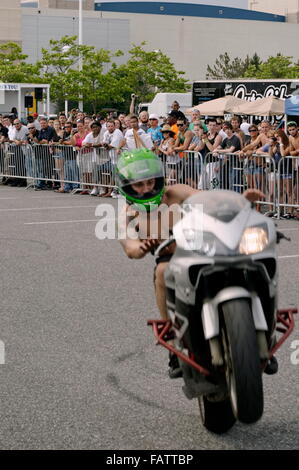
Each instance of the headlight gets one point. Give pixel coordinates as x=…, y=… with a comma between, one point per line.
x=202, y=242
x=254, y=240
x=193, y=239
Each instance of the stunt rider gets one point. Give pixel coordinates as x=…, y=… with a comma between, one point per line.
x=140, y=179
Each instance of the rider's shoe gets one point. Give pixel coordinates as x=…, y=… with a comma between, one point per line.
x=174, y=370
x=272, y=366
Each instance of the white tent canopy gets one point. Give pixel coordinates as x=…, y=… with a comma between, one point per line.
x=269, y=106
x=219, y=106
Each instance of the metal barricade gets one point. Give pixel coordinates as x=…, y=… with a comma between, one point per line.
x=236, y=173
x=288, y=187
x=183, y=167
x=14, y=159
x=96, y=167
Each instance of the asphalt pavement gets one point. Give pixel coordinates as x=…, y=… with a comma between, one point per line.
x=82, y=370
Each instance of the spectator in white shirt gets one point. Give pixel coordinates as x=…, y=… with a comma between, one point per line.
x=112, y=140
x=7, y=122
x=135, y=137
x=90, y=161
x=19, y=133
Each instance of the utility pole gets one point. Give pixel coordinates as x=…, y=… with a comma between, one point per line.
x=80, y=41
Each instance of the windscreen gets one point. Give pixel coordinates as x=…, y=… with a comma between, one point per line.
x=223, y=205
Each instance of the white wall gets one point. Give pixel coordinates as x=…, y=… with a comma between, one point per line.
x=39, y=28
x=193, y=43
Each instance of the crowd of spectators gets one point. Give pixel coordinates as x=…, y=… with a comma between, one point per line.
x=79, y=151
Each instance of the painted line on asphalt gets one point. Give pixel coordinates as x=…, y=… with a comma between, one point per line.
x=61, y=222
x=47, y=208
x=288, y=256
x=65, y=221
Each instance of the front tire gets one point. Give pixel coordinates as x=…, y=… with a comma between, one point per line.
x=217, y=416
x=243, y=368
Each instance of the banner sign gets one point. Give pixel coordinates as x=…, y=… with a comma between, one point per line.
x=9, y=87
x=252, y=90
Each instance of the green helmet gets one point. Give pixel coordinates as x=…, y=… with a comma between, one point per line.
x=138, y=165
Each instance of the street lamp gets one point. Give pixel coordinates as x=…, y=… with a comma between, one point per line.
x=66, y=104
x=80, y=41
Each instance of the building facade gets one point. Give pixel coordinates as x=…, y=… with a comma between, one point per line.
x=192, y=34
x=10, y=21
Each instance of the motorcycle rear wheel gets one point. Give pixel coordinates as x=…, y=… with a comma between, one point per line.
x=217, y=416
x=243, y=369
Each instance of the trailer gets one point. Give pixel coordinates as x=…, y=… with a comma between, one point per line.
x=250, y=90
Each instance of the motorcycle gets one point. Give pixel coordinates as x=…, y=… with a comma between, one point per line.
x=221, y=290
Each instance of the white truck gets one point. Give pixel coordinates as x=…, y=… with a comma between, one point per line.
x=161, y=104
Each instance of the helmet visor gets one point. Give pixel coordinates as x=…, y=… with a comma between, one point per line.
x=139, y=170
x=158, y=185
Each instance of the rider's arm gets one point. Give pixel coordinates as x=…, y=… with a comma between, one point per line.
x=137, y=249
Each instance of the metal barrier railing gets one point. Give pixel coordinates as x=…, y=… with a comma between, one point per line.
x=236, y=173
x=76, y=169
x=73, y=168
x=287, y=186
x=183, y=167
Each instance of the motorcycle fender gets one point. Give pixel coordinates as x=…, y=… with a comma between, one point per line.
x=210, y=315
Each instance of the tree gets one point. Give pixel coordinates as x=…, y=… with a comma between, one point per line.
x=224, y=68
x=13, y=67
x=60, y=67
x=147, y=73
x=279, y=66
x=100, y=89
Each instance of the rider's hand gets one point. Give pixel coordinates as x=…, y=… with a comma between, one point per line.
x=254, y=195
x=148, y=245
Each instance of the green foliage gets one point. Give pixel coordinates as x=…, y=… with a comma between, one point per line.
x=275, y=67
x=147, y=73
x=100, y=82
x=13, y=67
x=225, y=67
x=278, y=66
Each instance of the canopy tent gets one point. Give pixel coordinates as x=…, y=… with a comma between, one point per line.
x=219, y=106
x=292, y=106
x=269, y=106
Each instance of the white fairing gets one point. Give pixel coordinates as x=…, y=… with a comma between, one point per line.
x=210, y=310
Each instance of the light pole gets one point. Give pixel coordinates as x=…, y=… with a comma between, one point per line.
x=80, y=41
x=66, y=104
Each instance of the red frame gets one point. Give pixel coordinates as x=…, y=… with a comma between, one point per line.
x=285, y=325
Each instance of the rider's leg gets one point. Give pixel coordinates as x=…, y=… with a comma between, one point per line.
x=174, y=370
x=160, y=289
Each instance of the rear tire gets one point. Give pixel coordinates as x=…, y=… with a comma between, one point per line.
x=217, y=416
x=243, y=368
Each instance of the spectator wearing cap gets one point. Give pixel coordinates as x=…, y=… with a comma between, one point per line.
x=36, y=121
x=155, y=130
x=166, y=150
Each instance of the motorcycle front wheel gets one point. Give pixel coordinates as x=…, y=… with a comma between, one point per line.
x=243, y=368
x=217, y=416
